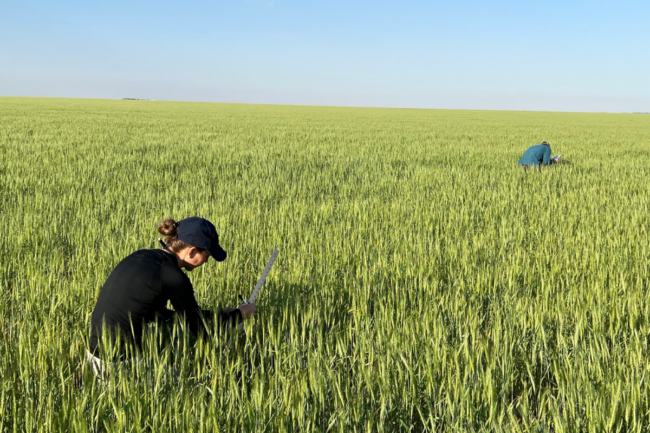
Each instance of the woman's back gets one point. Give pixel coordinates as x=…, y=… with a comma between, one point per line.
x=134, y=292
x=536, y=155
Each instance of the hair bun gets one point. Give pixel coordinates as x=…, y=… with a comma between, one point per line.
x=168, y=227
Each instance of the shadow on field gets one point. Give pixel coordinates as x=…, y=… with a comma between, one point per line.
x=306, y=305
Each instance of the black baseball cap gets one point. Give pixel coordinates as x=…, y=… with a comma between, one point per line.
x=200, y=233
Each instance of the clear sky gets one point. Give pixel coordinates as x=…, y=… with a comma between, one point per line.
x=514, y=55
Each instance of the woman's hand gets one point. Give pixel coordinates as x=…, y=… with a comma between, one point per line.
x=247, y=310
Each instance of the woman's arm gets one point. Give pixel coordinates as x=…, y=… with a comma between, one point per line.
x=181, y=294
x=227, y=317
x=178, y=289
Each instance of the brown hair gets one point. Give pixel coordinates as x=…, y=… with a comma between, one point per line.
x=169, y=228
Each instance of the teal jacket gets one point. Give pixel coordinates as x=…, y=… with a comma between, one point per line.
x=536, y=155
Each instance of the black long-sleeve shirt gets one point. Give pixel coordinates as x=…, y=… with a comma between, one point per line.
x=137, y=291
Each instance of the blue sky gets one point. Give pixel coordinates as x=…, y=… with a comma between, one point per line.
x=504, y=55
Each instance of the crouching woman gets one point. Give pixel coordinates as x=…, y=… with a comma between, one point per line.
x=138, y=289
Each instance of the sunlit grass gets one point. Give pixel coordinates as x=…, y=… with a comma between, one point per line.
x=424, y=280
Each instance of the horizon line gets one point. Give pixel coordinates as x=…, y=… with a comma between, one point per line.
x=318, y=105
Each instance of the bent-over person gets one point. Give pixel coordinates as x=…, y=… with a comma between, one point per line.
x=138, y=289
x=538, y=155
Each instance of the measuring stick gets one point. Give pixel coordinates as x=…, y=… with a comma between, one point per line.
x=265, y=273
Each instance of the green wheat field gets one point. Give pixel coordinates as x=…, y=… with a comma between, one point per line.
x=424, y=282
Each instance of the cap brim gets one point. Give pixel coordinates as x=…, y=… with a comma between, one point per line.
x=218, y=253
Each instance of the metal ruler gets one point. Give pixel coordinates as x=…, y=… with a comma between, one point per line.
x=265, y=273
